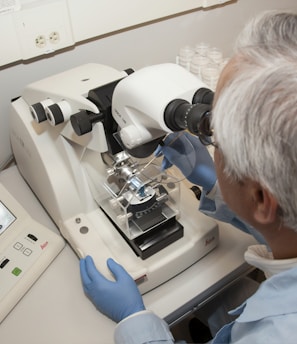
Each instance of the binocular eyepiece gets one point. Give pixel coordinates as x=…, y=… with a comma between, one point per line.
x=180, y=114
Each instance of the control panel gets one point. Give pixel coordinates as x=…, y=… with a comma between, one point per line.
x=26, y=250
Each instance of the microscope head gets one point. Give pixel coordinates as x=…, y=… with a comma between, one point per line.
x=140, y=104
x=133, y=110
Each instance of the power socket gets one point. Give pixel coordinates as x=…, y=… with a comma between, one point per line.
x=40, y=41
x=38, y=33
x=54, y=37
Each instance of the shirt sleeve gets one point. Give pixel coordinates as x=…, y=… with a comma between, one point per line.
x=213, y=205
x=143, y=327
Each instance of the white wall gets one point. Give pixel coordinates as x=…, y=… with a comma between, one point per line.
x=149, y=44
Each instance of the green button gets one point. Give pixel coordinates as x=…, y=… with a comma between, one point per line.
x=16, y=271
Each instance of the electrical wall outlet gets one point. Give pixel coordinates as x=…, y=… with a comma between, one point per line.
x=38, y=33
x=54, y=37
x=40, y=41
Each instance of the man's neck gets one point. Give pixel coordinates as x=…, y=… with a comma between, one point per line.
x=282, y=241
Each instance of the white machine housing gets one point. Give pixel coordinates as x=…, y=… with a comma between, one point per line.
x=66, y=171
x=145, y=94
x=27, y=248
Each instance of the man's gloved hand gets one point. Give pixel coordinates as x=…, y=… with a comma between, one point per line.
x=118, y=299
x=193, y=159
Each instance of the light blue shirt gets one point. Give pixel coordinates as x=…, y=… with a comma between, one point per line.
x=269, y=316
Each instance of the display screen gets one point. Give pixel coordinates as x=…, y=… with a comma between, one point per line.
x=6, y=218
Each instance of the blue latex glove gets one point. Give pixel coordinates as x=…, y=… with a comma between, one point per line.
x=116, y=299
x=193, y=159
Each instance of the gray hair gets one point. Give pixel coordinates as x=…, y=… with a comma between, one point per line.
x=255, y=117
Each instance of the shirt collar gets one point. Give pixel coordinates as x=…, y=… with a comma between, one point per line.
x=275, y=296
x=260, y=257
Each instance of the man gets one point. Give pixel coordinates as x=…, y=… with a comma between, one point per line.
x=255, y=128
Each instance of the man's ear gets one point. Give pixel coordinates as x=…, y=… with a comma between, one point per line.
x=265, y=205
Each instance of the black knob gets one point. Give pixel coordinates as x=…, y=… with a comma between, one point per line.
x=197, y=191
x=82, y=122
x=38, y=112
x=54, y=114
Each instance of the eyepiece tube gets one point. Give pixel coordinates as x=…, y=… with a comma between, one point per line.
x=175, y=114
x=180, y=114
x=203, y=96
